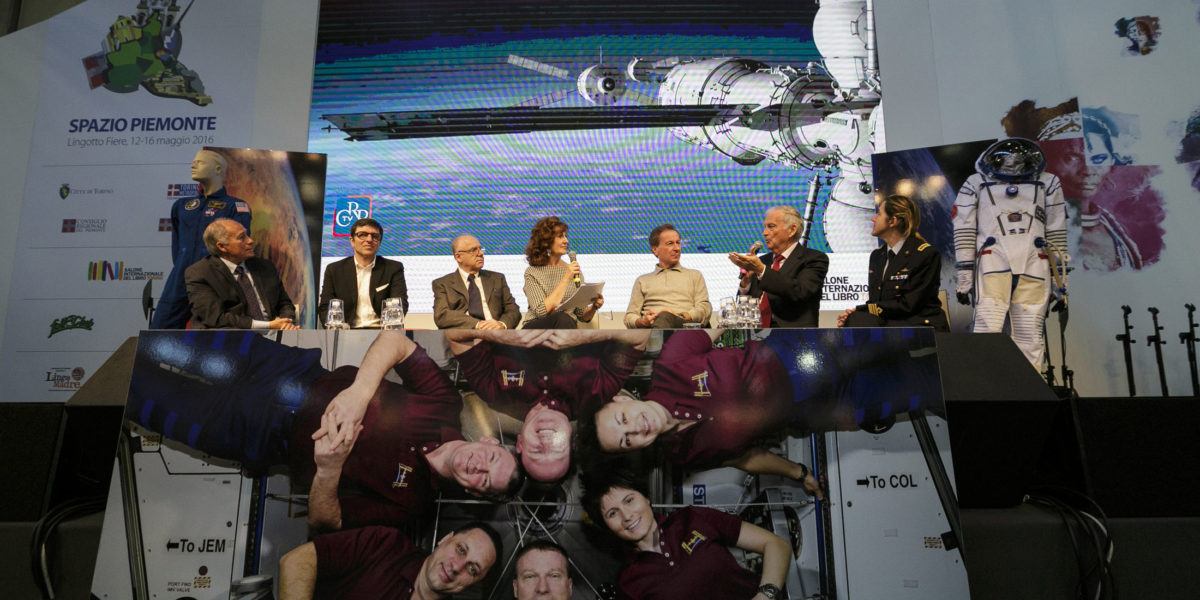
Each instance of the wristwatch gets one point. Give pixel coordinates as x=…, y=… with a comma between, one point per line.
x=769, y=590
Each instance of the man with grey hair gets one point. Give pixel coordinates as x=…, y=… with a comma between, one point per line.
x=233, y=289
x=788, y=279
x=470, y=297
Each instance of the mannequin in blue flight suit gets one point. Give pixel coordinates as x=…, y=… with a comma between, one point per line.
x=189, y=217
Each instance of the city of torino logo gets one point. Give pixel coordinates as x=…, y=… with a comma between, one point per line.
x=64, y=191
x=70, y=322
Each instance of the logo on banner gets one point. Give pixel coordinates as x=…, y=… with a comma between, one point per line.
x=64, y=379
x=84, y=225
x=348, y=210
x=117, y=271
x=142, y=50
x=180, y=190
x=165, y=225
x=64, y=191
x=70, y=322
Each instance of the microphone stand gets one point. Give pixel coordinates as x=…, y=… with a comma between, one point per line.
x=1157, y=341
x=1127, y=340
x=1188, y=338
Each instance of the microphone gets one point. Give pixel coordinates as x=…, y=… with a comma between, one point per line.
x=754, y=248
x=571, y=255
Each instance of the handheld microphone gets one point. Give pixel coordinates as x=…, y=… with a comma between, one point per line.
x=571, y=255
x=754, y=248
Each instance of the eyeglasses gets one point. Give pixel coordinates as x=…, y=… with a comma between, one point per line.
x=475, y=250
x=367, y=235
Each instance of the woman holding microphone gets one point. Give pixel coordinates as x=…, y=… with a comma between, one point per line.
x=551, y=281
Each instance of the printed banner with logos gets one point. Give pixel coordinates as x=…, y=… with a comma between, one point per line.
x=124, y=105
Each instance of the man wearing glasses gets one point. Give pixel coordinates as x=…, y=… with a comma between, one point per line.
x=363, y=280
x=471, y=298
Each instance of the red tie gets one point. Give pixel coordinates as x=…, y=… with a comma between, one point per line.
x=764, y=307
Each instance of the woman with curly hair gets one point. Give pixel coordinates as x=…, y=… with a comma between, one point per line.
x=551, y=281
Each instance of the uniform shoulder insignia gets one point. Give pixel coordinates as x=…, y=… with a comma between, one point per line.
x=922, y=247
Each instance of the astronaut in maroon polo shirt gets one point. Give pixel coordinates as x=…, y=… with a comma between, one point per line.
x=387, y=466
x=551, y=376
x=382, y=563
x=685, y=554
x=706, y=405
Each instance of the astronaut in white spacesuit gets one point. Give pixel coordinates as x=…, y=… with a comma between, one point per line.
x=1010, y=242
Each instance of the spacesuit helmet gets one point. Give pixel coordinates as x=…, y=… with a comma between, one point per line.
x=1012, y=159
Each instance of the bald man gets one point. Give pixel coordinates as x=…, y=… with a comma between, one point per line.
x=470, y=297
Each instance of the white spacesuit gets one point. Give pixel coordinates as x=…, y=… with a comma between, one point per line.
x=1009, y=218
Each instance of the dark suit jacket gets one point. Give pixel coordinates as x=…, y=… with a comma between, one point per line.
x=341, y=282
x=216, y=299
x=794, y=291
x=450, y=301
x=907, y=293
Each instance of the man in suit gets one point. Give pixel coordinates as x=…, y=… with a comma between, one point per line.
x=231, y=288
x=363, y=280
x=788, y=279
x=471, y=298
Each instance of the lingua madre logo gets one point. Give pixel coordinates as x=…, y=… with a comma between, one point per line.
x=143, y=50
x=70, y=322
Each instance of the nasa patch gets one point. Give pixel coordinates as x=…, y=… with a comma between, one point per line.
x=209, y=212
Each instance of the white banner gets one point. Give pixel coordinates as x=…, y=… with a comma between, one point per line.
x=127, y=97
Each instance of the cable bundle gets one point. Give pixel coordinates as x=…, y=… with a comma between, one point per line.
x=45, y=527
x=1090, y=539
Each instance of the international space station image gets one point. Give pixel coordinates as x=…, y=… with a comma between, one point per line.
x=822, y=116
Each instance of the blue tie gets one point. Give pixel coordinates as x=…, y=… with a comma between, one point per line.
x=474, y=299
x=252, y=304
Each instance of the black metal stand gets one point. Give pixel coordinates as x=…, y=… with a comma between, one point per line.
x=1188, y=338
x=1157, y=341
x=1127, y=340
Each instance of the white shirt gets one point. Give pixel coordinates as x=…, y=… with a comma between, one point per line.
x=364, y=313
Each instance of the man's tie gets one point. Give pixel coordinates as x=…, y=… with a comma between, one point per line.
x=764, y=307
x=253, y=306
x=474, y=299
x=886, y=263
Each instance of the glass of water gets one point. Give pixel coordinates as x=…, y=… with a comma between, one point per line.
x=335, y=316
x=393, y=314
